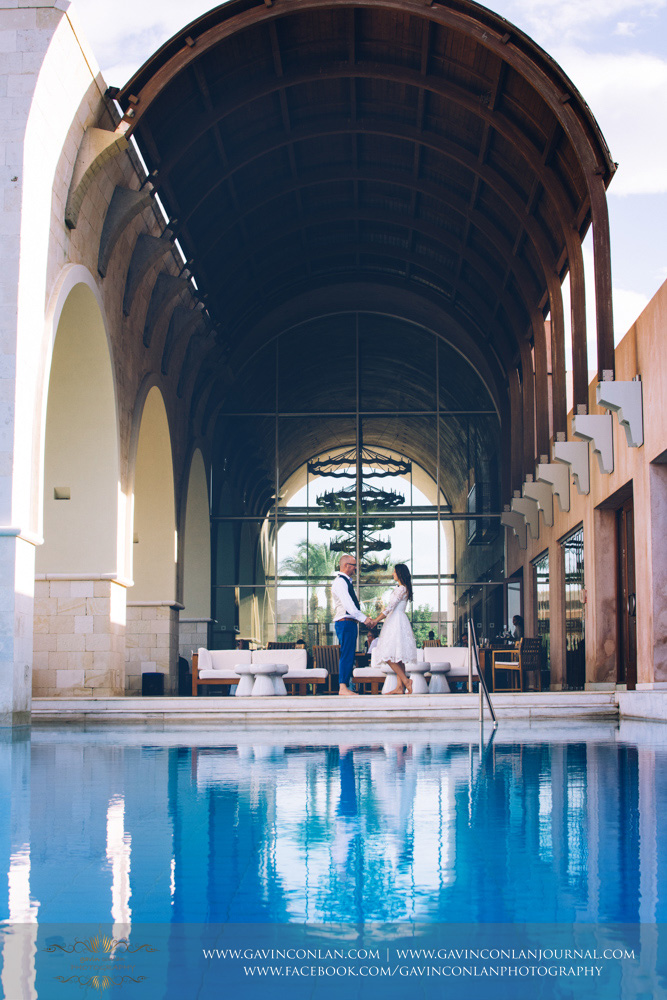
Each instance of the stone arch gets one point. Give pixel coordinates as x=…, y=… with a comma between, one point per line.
x=194, y=556
x=196, y=541
x=79, y=565
x=80, y=471
x=154, y=557
x=152, y=605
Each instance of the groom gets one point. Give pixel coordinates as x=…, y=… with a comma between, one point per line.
x=346, y=617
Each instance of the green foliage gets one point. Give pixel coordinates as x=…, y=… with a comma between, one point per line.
x=315, y=630
x=422, y=622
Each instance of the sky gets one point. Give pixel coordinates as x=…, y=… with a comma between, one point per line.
x=615, y=52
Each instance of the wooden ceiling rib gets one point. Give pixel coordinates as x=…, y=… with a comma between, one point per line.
x=435, y=148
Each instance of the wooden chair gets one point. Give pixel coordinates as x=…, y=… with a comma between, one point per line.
x=328, y=657
x=281, y=645
x=516, y=662
x=431, y=644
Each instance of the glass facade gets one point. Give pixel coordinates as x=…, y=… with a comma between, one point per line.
x=542, y=605
x=575, y=641
x=310, y=464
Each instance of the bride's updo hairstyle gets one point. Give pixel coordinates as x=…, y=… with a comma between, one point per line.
x=403, y=574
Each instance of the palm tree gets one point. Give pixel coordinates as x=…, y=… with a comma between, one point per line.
x=313, y=559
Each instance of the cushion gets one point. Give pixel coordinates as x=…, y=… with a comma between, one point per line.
x=221, y=659
x=296, y=659
x=223, y=676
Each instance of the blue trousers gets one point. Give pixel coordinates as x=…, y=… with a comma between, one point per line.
x=347, y=638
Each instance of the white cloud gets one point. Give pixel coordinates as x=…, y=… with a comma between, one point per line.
x=626, y=28
x=626, y=93
x=125, y=33
x=627, y=307
x=573, y=19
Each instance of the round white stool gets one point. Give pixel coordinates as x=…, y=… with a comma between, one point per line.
x=268, y=679
x=246, y=674
x=439, y=683
x=415, y=672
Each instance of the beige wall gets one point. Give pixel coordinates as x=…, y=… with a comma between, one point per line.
x=81, y=448
x=154, y=547
x=196, y=544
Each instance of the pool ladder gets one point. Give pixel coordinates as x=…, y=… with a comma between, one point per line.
x=473, y=654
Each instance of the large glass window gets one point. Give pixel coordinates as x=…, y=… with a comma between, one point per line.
x=389, y=451
x=541, y=596
x=575, y=644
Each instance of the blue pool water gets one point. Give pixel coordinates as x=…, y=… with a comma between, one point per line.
x=533, y=826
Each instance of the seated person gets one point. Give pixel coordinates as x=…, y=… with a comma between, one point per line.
x=371, y=640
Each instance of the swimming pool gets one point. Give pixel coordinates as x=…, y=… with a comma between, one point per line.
x=532, y=835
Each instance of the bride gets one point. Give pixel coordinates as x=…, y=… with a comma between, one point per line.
x=396, y=645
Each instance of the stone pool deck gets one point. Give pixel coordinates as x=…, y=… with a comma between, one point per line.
x=364, y=710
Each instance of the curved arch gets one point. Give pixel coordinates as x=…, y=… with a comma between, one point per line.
x=80, y=472
x=374, y=298
x=448, y=198
x=154, y=534
x=511, y=48
x=68, y=279
x=195, y=541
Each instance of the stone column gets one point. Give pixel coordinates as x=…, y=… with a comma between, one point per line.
x=17, y=573
x=193, y=633
x=651, y=522
x=152, y=643
x=26, y=33
x=601, y=606
x=79, y=636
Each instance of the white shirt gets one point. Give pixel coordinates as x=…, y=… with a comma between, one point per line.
x=344, y=606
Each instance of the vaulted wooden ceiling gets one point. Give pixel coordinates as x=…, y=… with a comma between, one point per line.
x=305, y=148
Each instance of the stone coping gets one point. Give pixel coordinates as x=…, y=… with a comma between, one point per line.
x=326, y=710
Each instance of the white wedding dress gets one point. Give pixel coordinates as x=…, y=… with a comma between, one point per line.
x=397, y=640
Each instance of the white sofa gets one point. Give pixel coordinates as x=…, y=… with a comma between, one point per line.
x=216, y=666
x=456, y=656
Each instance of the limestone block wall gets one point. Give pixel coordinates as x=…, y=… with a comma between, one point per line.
x=193, y=633
x=151, y=644
x=79, y=637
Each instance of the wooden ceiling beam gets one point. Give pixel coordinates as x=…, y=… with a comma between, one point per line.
x=513, y=309
x=224, y=160
x=449, y=151
x=445, y=89
x=492, y=236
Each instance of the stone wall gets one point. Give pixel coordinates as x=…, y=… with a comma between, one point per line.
x=151, y=644
x=193, y=633
x=79, y=637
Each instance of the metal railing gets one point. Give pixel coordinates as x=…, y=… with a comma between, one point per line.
x=473, y=653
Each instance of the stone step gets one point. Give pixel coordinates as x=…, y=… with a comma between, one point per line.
x=369, y=709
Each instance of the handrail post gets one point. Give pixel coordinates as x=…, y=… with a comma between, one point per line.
x=483, y=690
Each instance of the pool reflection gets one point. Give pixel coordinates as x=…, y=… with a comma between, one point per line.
x=404, y=828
